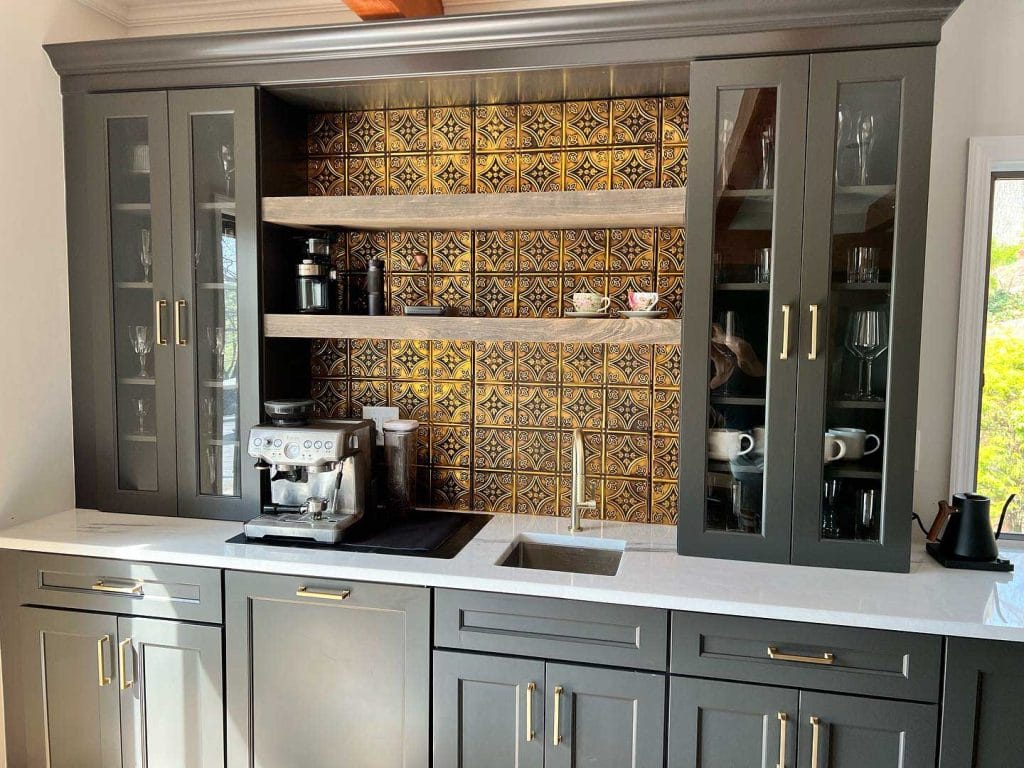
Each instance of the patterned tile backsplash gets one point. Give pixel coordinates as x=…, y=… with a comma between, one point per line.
x=497, y=417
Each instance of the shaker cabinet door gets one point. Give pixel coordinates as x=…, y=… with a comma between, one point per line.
x=70, y=685
x=488, y=711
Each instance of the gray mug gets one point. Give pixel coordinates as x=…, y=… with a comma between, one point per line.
x=856, y=441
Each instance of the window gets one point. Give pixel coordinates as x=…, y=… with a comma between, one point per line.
x=1000, y=451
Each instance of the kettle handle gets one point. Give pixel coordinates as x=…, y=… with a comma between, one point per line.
x=945, y=510
x=1002, y=515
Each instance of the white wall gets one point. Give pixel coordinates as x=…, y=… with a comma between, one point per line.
x=977, y=93
x=35, y=387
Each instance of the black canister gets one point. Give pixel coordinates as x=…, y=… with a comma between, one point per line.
x=375, y=287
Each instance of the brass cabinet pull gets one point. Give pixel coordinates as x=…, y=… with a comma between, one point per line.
x=122, y=664
x=825, y=658
x=783, y=721
x=813, y=353
x=530, y=688
x=815, y=734
x=101, y=666
x=341, y=594
x=784, y=354
x=556, y=737
x=179, y=305
x=134, y=590
x=158, y=311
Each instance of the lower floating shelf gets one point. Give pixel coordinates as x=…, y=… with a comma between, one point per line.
x=562, y=330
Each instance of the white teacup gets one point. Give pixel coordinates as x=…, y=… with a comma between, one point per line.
x=834, y=448
x=856, y=441
x=642, y=301
x=727, y=444
x=590, y=302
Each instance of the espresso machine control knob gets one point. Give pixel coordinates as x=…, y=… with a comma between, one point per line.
x=291, y=450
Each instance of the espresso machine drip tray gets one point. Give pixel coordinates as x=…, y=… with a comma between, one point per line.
x=422, y=533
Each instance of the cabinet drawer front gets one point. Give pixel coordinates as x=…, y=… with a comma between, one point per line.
x=120, y=586
x=552, y=629
x=841, y=659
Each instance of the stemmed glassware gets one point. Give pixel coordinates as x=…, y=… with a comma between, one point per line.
x=197, y=255
x=867, y=337
x=141, y=338
x=146, y=254
x=227, y=161
x=141, y=407
x=215, y=338
x=767, y=156
x=209, y=415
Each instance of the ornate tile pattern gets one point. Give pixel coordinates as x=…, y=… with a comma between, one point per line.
x=497, y=417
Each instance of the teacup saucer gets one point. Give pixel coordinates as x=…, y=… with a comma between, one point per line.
x=643, y=313
x=573, y=313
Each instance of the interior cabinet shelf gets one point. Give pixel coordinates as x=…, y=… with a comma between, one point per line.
x=758, y=287
x=866, y=405
x=138, y=381
x=134, y=285
x=610, y=331
x=737, y=400
x=133, y=207
x=629, y=208
x=135, y=438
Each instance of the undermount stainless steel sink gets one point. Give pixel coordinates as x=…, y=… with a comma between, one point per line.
x=598, y=557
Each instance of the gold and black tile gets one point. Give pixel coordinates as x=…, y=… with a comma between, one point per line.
x=366, y=175
x=673, y=166
x=626, y=499
x=407, y=290
x=368, y=393
x=675, y=120
x=408, y=175
x=593, y=489
x=451, y=402
x=366, y=132
x=408, y=251
x=664, y=503
x=330, y=398
x=329, y=358
x=536, y=494
x=541, y=125
x=538, y=296
x=361, y=246
x=451, y=252
x=450, y=488
x=634, y=167
x=582, y=363
x=537, y=406
x=587, y=170
x=451, y=129
x=537, y=362
x=667, y=366
x=494, y=405
x=541, y=171
x=536, y=450
x=412, y=399
x=451, y=360
x=631, y=250
x=326, y=176
x=496, y=128
x=451, y=446
x=635, y=121
x=588, y=123
x=581, y=408
x=494, y=251
x=665, y=457
x=494, y=361
x=666, y=411
x=368, y=358
x=671, y=250
x=492, y=491
x=409, y=359
x=627, y=454
x=493, y=447
x=494, y=295
x=407, y=130
x=670, y=290
x=454, y=292
x=326, y=134
x=629, y=364
x=584, y=252
x=451, y=174
x=496, y=173
x=539, y=251
x=628, y=409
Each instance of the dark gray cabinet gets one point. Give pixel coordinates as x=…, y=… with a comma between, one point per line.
x=806, y=218
x=982, y=715
x=162, y=218
x=322, y=672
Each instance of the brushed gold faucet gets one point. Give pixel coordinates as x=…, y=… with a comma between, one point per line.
x=579, y=482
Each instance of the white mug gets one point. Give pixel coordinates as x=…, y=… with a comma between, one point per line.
x=728, y=444
x=760, y=440
x=834, y=448
x=856, y=441
x=590, y=302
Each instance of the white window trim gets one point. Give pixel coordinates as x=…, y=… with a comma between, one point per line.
x=986, y=155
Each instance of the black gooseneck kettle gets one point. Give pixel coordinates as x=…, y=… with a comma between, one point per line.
x=968, y=540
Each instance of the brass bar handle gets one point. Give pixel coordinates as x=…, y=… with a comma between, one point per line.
x=101, y=666
x=530, y=688
x=134, y=590
x=341, y=594
x=556, y=736
x=815, y=738
x=783, y=723
x=122, y=664
x=179, y=305
x=786, y=310
x=825, y=658
x=159, y=307
x=813, y=353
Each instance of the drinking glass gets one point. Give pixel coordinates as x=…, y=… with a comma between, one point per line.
x=763, y=265
x=215, y=338
x=866, y=134
x=767, y=156
x=211, y=467
x=830, y=515
x=141, y=407
x=867, y=337
x=227, y=161
x=209, y=415
x=141, y=338
x=197, y=255
x=862, y=264
x=146, y=254
x=866, y=513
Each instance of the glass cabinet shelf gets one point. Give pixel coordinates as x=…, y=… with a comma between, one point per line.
x=137, y=285
x=742, y=287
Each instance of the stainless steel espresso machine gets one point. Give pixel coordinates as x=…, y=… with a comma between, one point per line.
x=320, y=473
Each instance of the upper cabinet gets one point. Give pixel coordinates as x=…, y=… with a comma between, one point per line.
x=806, y=217
x=162, y=219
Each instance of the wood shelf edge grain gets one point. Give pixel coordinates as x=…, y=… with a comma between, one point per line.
x=560, y=330
x=618, y=208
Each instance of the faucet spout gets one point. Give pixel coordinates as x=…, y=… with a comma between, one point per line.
x=578, y=501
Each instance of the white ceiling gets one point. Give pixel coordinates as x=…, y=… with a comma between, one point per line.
x=154, y=17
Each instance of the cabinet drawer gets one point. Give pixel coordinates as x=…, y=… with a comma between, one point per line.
x=120, y=586
x=871, y=662
x=549, y=628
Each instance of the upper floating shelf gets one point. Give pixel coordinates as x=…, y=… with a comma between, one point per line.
x=625, y=208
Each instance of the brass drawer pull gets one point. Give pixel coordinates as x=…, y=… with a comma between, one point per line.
x=122, y=664
x=825, y=658
x=813, y=353
x=786, y=310
x=179, y=305
x=530, y=688
x=783, y=721
x=341, y=594
x=135, y=590
x=815, y=738
x=101, y=666
x=158, y=311
x=556, y=737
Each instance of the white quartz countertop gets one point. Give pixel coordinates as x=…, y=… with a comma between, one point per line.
x=929, y=599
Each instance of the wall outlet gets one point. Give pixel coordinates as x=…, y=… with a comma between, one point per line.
x=380, y=415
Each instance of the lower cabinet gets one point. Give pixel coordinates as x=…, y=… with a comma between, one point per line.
x=498, y=712
x=326, y=673
x=722, y=725
x=102, y=690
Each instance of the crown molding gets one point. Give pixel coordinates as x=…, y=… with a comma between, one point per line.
x=112, y=9
x=139, y=15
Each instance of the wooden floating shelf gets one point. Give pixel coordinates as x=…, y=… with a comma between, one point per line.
x=626, y=208
x=564, y=330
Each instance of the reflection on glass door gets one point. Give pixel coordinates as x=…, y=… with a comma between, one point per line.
x=744, y=215
x=855, y=329
x=136, y=314
x=215, y=292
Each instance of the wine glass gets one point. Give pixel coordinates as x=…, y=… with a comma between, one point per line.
x=141, y=407
x=866, y=134
x=227, y=161
x=215, y=338
x=209, y=415
x=146, y=254
x=197, y=255
x=211, y=467
x=830, y=515
x=141, y=338
x=867, y=337
x=767, y=155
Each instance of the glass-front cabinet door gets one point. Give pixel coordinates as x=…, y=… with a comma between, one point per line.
x=216, y=322
x=120, y=266
x=864, y=233
x=744, y=201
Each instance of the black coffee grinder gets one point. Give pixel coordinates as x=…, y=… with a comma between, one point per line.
x=968, y=541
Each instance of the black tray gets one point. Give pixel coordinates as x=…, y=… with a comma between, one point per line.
x=999, y=564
